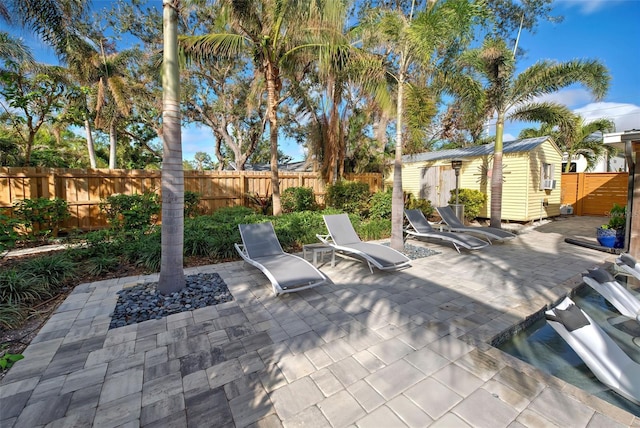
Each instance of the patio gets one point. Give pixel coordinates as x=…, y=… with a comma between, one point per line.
x=372, y=350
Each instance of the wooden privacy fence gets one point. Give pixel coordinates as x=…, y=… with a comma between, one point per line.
x=594, y=193
x=84, y=189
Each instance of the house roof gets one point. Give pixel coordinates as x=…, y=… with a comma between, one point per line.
x=523, y=145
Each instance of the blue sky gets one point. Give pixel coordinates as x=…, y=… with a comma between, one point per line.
x=606, y=30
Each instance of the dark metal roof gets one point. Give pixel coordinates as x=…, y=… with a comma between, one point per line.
x=515, y=146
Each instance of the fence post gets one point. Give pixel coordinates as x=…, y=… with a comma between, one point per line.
x=580, y=194
x=243, y=188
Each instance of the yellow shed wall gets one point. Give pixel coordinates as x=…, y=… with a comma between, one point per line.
x=521, y=194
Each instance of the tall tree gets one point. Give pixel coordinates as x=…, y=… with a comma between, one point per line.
x=415, y=43
x=55, y=21
x=172, y=241
x=32, y=95
x=270, y=32
x=491, y=79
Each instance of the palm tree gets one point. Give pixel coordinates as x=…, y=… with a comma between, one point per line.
x=415, y=44
x=14, y=50
x=53, y=20
x=270, y=32
x=583, y=138
x=103, y=74
x=172, y=241
x=492, y=80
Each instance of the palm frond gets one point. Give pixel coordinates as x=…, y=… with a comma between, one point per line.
x=211, y=47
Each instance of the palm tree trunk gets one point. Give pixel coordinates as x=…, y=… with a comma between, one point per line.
x=90, y=145
x=112, y=144
x=171, y=261
x=397, y=196
x=272, y=97
x=496, y=176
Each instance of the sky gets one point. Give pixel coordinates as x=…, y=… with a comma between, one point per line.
x=605, y=30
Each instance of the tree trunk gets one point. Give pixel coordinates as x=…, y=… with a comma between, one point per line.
x=272, y=97
x=496, y=176
x=397, y=196
x=90, y=146
x=171, y=261
x=112, y=144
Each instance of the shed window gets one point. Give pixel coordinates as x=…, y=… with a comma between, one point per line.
x=547, y=179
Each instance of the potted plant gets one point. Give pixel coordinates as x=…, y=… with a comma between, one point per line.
x=611, y=234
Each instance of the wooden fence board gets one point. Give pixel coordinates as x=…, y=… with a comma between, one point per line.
x=84, y=189
x=594, y=193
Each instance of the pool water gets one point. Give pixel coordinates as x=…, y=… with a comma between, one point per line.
x=540, y=345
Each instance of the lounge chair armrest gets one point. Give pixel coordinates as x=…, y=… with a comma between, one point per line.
x=324, y=238
x=240, y=249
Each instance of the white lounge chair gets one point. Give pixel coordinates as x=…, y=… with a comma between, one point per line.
x=628, y=265
x=608, y=362
x=455, y=225
x=343, y=237
x=620, y=297
x=287, y=272
x=419, y=228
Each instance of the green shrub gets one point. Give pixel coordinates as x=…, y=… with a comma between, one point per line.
x=130, y=213
x=7, y=360
x=380, y=205
x=295, y=199
x=11, y=315
x=374, y=229
x=8, y=233
x=101, y=263
x=52, y=270
x=18, y=286
x=144, y=251
x=349, y=196
x=473, y=201
x=41, y=217
x=617, y=217
x=191, y=202
x=423, y=205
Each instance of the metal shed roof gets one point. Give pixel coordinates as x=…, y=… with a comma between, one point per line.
x=515, y=146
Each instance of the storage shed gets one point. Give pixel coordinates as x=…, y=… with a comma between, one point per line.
x=531, y=174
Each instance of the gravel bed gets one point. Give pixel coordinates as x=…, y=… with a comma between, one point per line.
x=143, y=302
x=414, y=252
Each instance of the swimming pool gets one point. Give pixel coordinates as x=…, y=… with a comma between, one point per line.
x=540, y=346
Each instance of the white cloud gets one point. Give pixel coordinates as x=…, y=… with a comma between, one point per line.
x=568, y=97
x=588, y=7
x=625, y=116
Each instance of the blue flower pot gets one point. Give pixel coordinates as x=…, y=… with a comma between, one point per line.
x=607, y=241
x=606, y=237
x=619, y=239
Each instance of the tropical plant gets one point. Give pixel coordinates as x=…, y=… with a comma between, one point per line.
x=7, y=359
x=41, y=216
x=380, y=205
x=298, y=199
x=53, y=270
x=129, y=213
x=416, y=42
x=349, y=196
x=492, y=84
x=581, y=138
x=424, y=205
x=270, y=32
x=472, y=199
x=8, y=232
